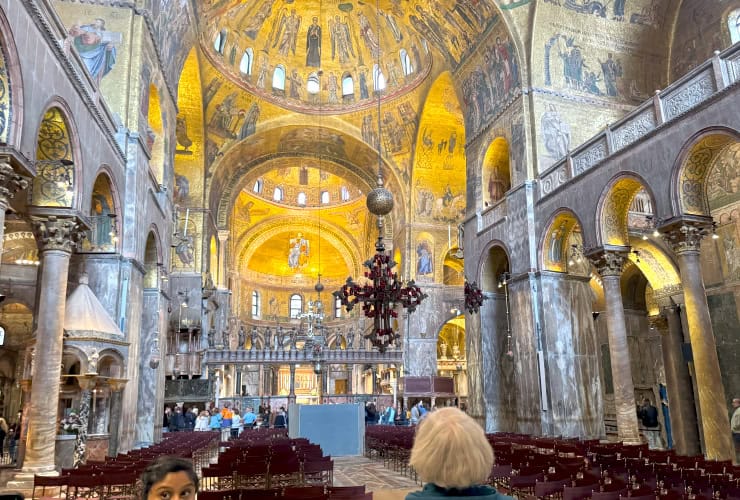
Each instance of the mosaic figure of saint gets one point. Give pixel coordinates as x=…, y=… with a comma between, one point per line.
x=298, y=253
x=96, y=46
x=341, y=40
x=423, y=258
x=313, y=44
x=368, y=36
x=287, y=32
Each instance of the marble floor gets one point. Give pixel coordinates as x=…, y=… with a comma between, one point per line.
x=384, y=483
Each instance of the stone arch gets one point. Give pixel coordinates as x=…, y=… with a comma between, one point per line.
x=554, y=250
x=11, y=90
x=340, y=149
x=689, y=186
x=451, y=338
x=614, y=205
x=16, y=316
x=453, y=268
x=104, y=210
x=58, y=158
x=496, y=172
x=111, y=363
x=152, y=259
x=494, y=261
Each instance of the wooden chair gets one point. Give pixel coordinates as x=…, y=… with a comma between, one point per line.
x=579, y=492
x=220, y=495
x=57, y=484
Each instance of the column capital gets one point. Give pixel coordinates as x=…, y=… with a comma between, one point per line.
x=684, y=234
x=58, y=231
x=10, y=181
x=116, y=384
x=223, y=234
x=609, y=261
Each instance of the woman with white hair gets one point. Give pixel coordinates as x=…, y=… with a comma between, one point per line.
x=452, y=457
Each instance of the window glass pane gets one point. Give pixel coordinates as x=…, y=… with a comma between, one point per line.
x=313, y=85
x=278, y=78
x=296, y=305
x=257, y=186
x=378, y=79
x=348, y=86
x=277, y=195
x=246, y=65
x=325, y=197
x=733, y=21
x=302, y=199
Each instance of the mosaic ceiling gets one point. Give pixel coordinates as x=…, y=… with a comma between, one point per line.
x=334, y=55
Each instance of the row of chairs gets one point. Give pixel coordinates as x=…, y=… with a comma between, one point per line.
x=290, y=493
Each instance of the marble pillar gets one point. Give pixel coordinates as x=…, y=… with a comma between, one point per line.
x=87, y=382
x=571, y=357
x=350, y=377
x=684, y=429
x=610, y=263
x=522, y=363
x=684, y=237
x=374, y=375
x=116, y=398
x=134, y=275
x=56, y=236
x=291, y=395
x=476, y=407
x=499, y=399
x=148, y=377
x=223, y=238
x=10, y=183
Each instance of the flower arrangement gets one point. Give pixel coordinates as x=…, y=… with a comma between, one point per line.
x=71, y=424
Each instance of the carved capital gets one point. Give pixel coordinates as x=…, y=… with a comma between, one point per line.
x=10, y=181
x=223, y=234
x=116, y=384
x=57, y=233
x=686, y=238
x=609, y=262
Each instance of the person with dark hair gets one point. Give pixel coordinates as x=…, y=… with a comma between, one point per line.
x=171, y=478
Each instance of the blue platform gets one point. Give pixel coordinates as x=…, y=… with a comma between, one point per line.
x=338, y=429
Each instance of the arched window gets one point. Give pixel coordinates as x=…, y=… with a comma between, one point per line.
x=345, y=193
x=406, y=63
x=313, y=86
x=302, y=199
x=278, y=78
x=296, y=305
x=325, y=197
x=247, y=60
x=256, y=305
x=348, y=85
x=378, y=79
x=220, y=42
x=337, y=307
x=277, y=195
x=257, y=186
x=733, y=23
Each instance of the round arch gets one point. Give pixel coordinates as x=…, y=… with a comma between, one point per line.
x=613, y=208
x=553, y=247
x=10, y=131
x=152, y=258
x=494, y=261
x=358, y=161
x=104, y=210
x=496, y=171
x=694, y=162
x=57, y=140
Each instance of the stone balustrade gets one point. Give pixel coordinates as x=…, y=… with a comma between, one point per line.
x=272, y=356
x=685, y=94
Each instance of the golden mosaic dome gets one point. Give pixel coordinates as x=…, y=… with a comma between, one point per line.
x=336, y=56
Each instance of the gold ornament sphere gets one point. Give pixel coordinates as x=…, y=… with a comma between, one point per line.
x=380, y=201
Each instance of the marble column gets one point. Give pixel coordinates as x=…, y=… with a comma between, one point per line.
x=684, y=429
x=26, y=385
x=475, y=402
x=56, y=236
x=684, y=236
x=148, y=379
x=374, y=373
x=223, y=238
x=610, y=263
x=350, y=377
x=87, y=382
x=116, y=399
x=10, y=183
x=291, y=395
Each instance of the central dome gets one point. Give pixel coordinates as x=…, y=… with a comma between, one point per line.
x=334, y=56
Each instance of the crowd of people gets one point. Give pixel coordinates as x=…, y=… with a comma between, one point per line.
x=181, y=419
x=9, y=434
x=388, y=415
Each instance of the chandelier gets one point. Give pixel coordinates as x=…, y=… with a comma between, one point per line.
x=384, y=291
x=473, y=297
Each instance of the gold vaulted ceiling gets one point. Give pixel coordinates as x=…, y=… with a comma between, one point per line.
x=327, y=41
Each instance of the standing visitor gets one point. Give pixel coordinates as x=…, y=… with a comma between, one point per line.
x=236, y=424
x=415, y=414
x=3, y=433
x=453, y=457
x=201, y=423
x=249, y=418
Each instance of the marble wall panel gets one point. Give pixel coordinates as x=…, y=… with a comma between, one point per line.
x=422, y=358
x=571, y=358
x=104, y=275
x=131, y=401
x=524, y=358
x=473, y=350
x=498, y=372
x=148, y=379
x=723, y=308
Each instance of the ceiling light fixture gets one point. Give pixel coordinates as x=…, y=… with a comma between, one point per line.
x=386, y=291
